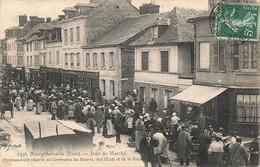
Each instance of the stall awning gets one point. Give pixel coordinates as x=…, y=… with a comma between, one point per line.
x=198, y=94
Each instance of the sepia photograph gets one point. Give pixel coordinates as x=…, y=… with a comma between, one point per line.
x=129, y=83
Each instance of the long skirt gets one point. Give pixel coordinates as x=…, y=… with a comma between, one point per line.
x=30, y=105
x=216, y=160
x=44, y=106
x=110, y=128
x=18, y=105
x=71, y=114
x=138, y=136
x=38, y=108
x=90, y=125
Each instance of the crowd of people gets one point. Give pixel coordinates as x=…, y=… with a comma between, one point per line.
x=149, y=132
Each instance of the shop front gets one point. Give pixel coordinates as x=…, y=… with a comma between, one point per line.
x=209, y=101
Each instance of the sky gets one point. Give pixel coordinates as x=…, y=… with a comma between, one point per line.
x=11, y=9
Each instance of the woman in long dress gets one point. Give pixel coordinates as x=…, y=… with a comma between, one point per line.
x=110, y=127
x=30, y=102
x=38, y=101
x=18, y=102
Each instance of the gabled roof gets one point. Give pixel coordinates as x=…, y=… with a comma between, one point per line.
x=128, y=29
x=179, y=29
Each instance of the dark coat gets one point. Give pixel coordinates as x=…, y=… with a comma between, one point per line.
x=183, y=145
x=238, y=155
x=147, y=150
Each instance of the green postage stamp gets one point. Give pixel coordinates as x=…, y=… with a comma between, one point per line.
x=237, y=21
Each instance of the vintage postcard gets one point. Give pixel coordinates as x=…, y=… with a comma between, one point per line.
x=129, y=83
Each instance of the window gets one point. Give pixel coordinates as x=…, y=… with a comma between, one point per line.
x=43, y=45
x=65, y=36
x=78, y=60
x=87, y=60
x=219, y=55
x=30, y=46
x=154, y=93
x=49, y=57
x=31, y=61
x=36, y=60
x=27, y=60
x=57, y=57
x=236, y=56
x=111, y=59
x=94, y=60
x=249, y=53
x=155, y=32
x=44, y=59
x=78, y=33
x=144, y=60
x=71, y=35
x=72, y=60
x=112, y=87
x=103, y=87
x=103, y=61
x=164, y=61
x=167, y=96
x=204, y=55
x=66, y=60
x=27, y=47
x=248, y=108
x=142, y=94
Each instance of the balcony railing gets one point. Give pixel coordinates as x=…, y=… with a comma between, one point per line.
x=186, y=76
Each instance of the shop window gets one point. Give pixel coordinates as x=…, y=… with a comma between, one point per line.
x=145, y=63
x=164, y=61
x=204, y=55
x=248, y=108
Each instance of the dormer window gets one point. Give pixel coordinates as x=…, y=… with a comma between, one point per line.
x=155, y=32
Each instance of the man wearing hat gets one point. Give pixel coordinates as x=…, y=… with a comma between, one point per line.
x=183, y=145
x=147, y=145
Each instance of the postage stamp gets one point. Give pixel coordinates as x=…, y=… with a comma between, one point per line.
x=237, y=21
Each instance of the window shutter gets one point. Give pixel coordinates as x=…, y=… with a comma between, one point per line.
x=222, y=55
x=215, y=46
x=144, y=60
x=236, y=56
x=164, y=61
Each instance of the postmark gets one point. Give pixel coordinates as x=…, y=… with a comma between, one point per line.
x=235, y=21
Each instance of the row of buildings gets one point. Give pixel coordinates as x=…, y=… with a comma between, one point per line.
x=112, y=46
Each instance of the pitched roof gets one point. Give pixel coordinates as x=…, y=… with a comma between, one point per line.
x=85, y=5
x=128, y=29
x=179, y=29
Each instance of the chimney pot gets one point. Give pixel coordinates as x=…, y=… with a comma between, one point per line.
x=48, y=19
x=149, y=9
x=22, y=20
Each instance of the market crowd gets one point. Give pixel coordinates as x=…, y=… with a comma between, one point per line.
x=150, y=133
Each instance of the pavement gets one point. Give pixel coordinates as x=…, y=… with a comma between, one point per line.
x=127, y=156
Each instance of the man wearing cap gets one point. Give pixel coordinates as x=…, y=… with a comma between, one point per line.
x=183, y=146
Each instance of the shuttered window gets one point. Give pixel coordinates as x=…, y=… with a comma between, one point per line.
x=144, y=60
x=219, y=55
x=164, y=61
x=236, y=56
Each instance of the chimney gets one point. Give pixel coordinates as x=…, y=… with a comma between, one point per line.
x=22, y=20
x=149, y=9
x=48, y=19
x=97, y=1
